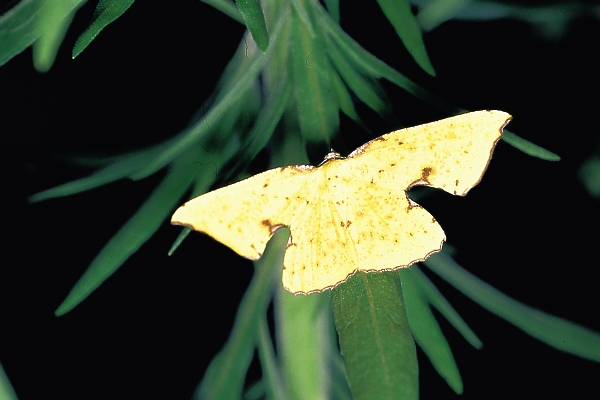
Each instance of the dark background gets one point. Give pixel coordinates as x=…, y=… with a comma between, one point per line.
x=529, y=229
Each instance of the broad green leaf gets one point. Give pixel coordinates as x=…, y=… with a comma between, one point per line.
x=225, y=376
x=427, y=332
x=106, y=12
x=404, y=22
x=303, y=343
x=255, y=21
x=554, y=331
x=375, y=338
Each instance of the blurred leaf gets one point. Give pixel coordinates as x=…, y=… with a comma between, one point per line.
x=54, y=20
x=427, y=332
x=135, y=232
x=404, y=22
x=589, y=175
x=6, y=390
x=554, y=331
x=106, y=12
x=436, y=12
x=19, y=29
x=375, y=338
x=255, y=21
x=318, y=115
x=367, y=89
x=123, y=167
x=333, y=7
x=345, y=100
x=227, y=7
x=303, y=343
x=225, y=376
x=273, y=382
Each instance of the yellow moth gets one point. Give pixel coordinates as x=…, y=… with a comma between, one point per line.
x=351, y=214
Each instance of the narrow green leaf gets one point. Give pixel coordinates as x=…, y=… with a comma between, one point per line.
x=227, y=98
x=255, y=21
x=529, y=148
x=345, y=100
x=316, y=102
x=375, y=338
x=371, y=66
x=134, y=233
x=367, y=89
x=554, y=331
x=273, y=382
x=120, y=169
x=106, y=12
x=433, y=296
x=226, y=7
x=224, y=378
x=427, y=332
x=404, y=22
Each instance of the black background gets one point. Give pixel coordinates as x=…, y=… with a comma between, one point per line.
x=529, y=229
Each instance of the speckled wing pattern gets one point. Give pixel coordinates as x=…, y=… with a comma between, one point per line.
x=351, y=213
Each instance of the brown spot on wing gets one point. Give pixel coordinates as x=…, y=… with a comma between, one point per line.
x=271, y=226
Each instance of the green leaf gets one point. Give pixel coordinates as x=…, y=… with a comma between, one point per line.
x=226, y=7
x=433, y=296
x=6, y=390
x=554, y=331
x=333, y=7
x=106, y=12
x=225, y=376
x=589, y=175
x=255, y=21
x=367, y=89
x=375, y=338
x=345, y=100
x=318, y=110
x=371, y=66
x=134, y=233
x=54, y=20
x=406, y=26
x=19, y=28
x=273, y=383
x=529, y=148
x=123, y=167
x=427, y=332
x=303, y=343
